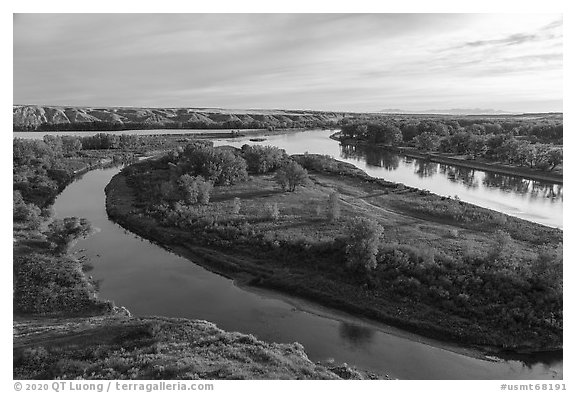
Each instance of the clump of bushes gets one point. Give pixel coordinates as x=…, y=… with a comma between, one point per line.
x=263, y=159
x=291, y=176
x=195, y=189
x=46, y=284
x=63, y=232
x=219, y=166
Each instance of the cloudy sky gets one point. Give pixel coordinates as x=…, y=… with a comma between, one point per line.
x=352, y=62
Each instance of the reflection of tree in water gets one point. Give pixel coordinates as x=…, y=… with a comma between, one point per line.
x=464, y=176
x=355, y=334
x=373, y=156
x=351, y=151
x=426, y=168
x=548, y=190
x=547, y=360
x=509, y=183
x=531, y=188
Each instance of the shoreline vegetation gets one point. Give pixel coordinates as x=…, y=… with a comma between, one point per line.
x=458, y=160
x=439, y=267
x=63, y=330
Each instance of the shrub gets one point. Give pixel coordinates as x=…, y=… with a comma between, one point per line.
x=62, y=233
x=236, y=205
x=204, y=191
x=334, y=207
x=271, y=211
x=169, y=191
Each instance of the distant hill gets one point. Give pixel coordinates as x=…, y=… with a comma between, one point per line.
x=463, y=112
x=46, y=118
x=63, y=118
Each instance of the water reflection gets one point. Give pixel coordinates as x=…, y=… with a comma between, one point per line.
x=518, y=185
x=464, y=176
x=425, y=168
x=373, y=156
x=468, y=177
x=357, y=335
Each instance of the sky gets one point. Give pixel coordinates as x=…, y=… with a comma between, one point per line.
x=341, y=62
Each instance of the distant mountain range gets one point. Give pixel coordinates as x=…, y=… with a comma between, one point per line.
x=456, y=111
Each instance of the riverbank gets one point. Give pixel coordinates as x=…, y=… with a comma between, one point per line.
x=529, y=173
x=286, y=267
x=62, y=330
x=124, y=347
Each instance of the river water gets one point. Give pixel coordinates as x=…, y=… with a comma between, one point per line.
x=531, y=200
x=149, y=280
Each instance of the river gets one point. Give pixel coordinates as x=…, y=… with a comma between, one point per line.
x=149, y=280
x=530, y=200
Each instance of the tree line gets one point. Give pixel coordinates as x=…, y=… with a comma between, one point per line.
x=534, y=145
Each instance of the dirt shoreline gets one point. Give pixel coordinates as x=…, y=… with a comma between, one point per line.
x=483, y=166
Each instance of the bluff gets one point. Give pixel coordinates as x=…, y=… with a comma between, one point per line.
x=47, y=118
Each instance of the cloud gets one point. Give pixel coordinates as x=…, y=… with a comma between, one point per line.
x=553, y=25
x=514, y=39
x=313, y=61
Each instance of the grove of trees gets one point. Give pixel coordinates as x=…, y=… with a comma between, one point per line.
x=529, y=143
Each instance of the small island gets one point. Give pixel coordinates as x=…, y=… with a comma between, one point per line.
x=314, y=227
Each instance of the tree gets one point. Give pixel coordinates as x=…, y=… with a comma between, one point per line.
x=477, y=146
x=363, y=244
x=55, y=143
x=546, y=268
x=263, y=159
x=555, y=157
x=62, y=233
x=384, y=133
x=194, y=189
x=290, y=176
x=71, y=145
x=427, y=141
x=27, y=213
x=220, y=166
x=502, y=248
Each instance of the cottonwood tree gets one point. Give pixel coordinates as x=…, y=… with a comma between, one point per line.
x=290, y=176
x=363, y=243
x=427, y=141
x=555, y=157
